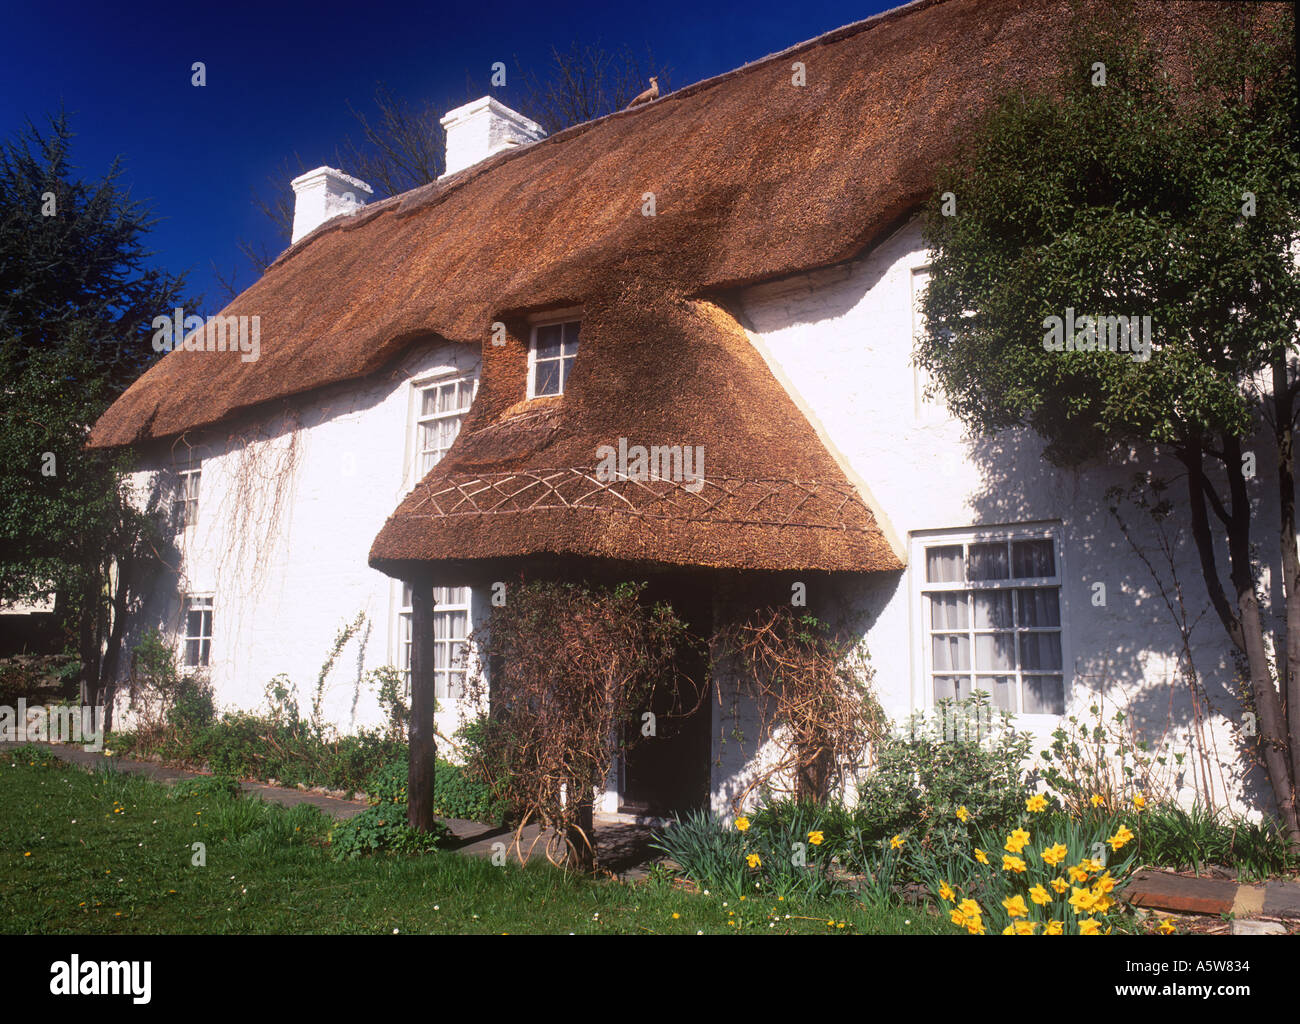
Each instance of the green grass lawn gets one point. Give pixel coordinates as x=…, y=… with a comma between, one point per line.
x=108, y=853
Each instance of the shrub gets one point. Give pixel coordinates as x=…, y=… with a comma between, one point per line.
x=922, y=780
x=382, y=826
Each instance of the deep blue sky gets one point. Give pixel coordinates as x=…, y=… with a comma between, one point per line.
x=280, y=76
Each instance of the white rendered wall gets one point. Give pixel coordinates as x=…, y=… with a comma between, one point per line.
x=284, y=584
x=840, y=340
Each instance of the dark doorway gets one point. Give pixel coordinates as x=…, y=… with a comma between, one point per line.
x=668, y=773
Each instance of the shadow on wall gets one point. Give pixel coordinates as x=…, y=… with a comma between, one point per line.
x=1128, y=651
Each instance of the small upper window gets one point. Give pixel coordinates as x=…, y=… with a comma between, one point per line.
x=198, y=631
x=441, y=409
x=185, y=500
x=550, y=358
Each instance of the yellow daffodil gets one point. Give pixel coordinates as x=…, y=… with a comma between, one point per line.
x=1015, y=864
x=816, y=838
x=970, y=908
x=975, y=927
x=1139, y=801
x=742, y=824
x=1120, y=838
x=1059, y=884
x=1089, y=926
x=1104, y=885
x=1017, y=841
x=946, y=893
x=1054, y=928
x=1040, y=895
x=1078, y=873
x=1103, y=904
x=1081, y=900
x=1096, y=800
x=981, y=856
x=1025, y=927
x=962, y=814
x=1166, y=927
x=1036, y=803
x=1016, y=906
x=1092, y=864
x=896, y=842
x=754, y=860
x=1053, y=855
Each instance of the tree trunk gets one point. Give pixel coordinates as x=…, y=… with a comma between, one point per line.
x=113, y=649
x=1270, y=718
x=88, y=643
x=423, y=750
x=1288, y=665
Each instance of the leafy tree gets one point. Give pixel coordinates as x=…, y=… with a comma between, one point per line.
x=1138, y=196
x=76, y=303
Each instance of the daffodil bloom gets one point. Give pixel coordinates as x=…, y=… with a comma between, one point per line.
x=969, y=908
x=754, y=860
x=1015, y=864
x=1096, y=800
x=946, y=893
x=816, y=838
x=1103, y=904
x=1139, y=801
x=1017, y=841
x=962, y=813
x=1089, y=926
x=1053, y=855
x=1104, y=884
x=1081, y=900
x=1166, y=927
x=1025, y=927
x=1092, y=864
x=1054, y=928
x=981, y=856
x=1036, y=803
x=957, y=917
x=1059, y=884
x=896, y=842
x=1016, y=906
x=1040, y=895
x=1120, y=838
x=742, y=824
x=1078, y=873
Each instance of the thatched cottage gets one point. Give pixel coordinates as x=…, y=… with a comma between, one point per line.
x=730, y=272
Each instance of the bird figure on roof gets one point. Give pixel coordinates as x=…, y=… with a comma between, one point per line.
x=650, y=94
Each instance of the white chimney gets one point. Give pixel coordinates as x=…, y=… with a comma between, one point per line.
x=323, y=194
x=481, y=128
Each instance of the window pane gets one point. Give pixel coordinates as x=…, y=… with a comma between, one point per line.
x=191, y=652
x=996, y=651
x=1044, y=695
x=566, y=365
x=571, y=337
x=948, y=611
x=993, y=610
x=1040, y=606
x=951, y=652
x=548, y=378
x=943, y=565
x=1032, y=558
x=951, y=688
x=549, y=340
x=988, y=562
x=1040, y=651
x=1001, y=688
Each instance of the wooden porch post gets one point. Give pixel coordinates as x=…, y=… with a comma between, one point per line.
x=420, y=772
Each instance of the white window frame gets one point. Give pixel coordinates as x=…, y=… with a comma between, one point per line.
x=415, y=464
x=572, y=316
x=922, y=649
x=188, y=503
x=403, y=638
x=203, y=602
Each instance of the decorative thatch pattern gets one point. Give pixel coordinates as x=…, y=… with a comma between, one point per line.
x=814, y=505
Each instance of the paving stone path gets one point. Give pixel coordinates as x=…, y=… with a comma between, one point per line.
x=622, y=848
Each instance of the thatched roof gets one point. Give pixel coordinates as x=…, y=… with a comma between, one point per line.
x=754, y=178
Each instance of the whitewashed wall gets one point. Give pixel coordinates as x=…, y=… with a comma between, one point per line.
x=840, y=340
x=285, y=581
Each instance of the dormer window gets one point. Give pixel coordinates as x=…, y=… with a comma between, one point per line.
x=551, y=352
